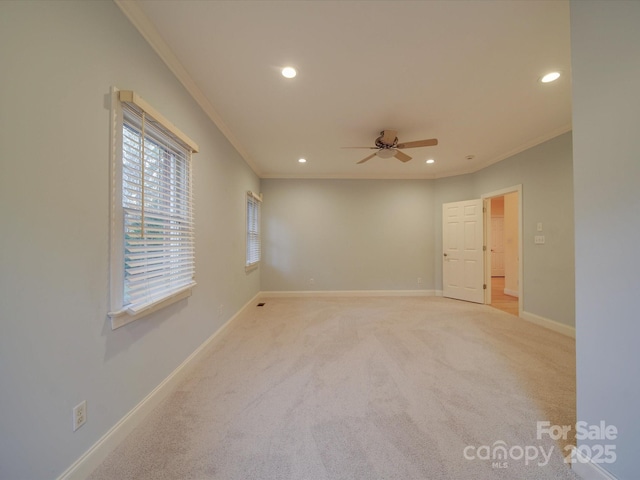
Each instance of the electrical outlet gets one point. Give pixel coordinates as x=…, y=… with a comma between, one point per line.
x=538, y=239
x=419, y=280
x=312, y=281
x=79, y=415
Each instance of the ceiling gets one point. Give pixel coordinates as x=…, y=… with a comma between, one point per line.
x=464, y=72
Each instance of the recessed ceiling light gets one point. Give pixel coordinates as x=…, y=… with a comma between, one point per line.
x=431, y=160
x=550, y=77
x=289, y=72
x=302, y=160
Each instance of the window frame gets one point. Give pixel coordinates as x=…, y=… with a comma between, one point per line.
x=251, y=236
x=121, y=313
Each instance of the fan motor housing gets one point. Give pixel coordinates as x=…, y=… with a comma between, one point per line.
x=381, y=144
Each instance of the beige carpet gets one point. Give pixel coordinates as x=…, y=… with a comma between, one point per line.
x=361, y=388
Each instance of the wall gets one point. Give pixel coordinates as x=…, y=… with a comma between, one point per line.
x=545, y=172
x=59, y=60
x=606, y=75
x=497, y=207
x=347, y=235
x=511, y=259
x=496, y=245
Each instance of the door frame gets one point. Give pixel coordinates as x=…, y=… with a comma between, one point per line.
x=486, y=202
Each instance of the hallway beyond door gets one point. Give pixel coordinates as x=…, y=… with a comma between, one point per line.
x=500, y=300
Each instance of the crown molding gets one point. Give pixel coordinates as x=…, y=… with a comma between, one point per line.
x=525, y=146
x=136, y=16
x=473, y=167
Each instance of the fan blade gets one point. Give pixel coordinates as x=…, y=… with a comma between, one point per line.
x=403, y=157
x=419, y=143
x=389, y=136
x=365, y=159
x=370, y=148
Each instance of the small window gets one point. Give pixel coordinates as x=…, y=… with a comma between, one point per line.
x=253, y=230
x=152, y=227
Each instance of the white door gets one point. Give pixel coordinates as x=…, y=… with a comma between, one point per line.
x=497, y=246
x=463, y=266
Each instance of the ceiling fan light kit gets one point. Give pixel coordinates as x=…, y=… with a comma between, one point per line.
x=386, y=152
x=387, y=146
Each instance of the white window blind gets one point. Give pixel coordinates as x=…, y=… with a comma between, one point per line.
x=159, y=256
x=152, y=227
x=253, y=229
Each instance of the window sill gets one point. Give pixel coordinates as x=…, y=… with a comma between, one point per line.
x=126, y=315
x=251, y=267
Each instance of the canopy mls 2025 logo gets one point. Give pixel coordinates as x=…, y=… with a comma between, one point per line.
x=500, y=453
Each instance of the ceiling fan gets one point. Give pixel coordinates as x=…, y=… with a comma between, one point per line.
x=387, y=146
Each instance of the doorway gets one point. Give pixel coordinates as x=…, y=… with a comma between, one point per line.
x=467, y=272
x=503, y=237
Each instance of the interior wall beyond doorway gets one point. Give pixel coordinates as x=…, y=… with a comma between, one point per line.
x=511, y=257
x=496, y=224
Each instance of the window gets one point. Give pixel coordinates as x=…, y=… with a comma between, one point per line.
x=152, y=224
x=253, y=230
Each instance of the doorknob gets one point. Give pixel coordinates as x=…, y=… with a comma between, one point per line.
x=445, y=254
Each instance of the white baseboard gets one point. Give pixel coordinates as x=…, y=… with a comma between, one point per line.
x=511, y=293
x=93, y=457
x=349, y=293
x=550, y=324
x=589, y=470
